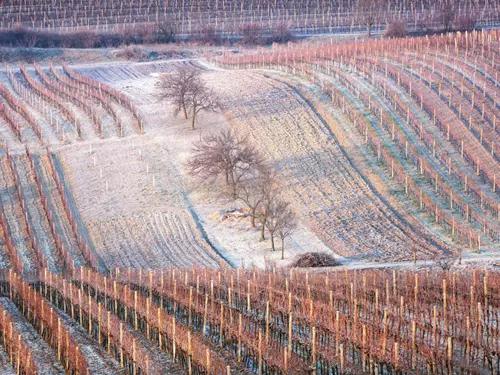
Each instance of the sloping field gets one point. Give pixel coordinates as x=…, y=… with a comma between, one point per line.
x=338, y=204
x=371, y=173
x=95, y=197
x=108, y=261
x=132, y=202
x=428, y=119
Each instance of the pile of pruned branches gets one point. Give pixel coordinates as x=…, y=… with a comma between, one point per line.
x=315, y=260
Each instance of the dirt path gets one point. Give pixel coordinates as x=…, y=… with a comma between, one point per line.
x=35, y=212
x=99, y=361
x=45, y=358
x=12, y=211
x=483, y=259
x=5, y=366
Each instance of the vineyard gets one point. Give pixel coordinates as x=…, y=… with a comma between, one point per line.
x=386, y=147
x=426, y=112
x=58, y=126
x=189, y=17
x=114, y=259
x=224, y=321
x=73, y=147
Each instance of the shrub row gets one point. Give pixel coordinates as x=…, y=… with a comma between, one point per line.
x=21, y=37
x=160, y=33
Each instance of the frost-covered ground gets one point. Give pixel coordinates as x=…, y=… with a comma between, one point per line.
x=142, y=210
x=140, y=207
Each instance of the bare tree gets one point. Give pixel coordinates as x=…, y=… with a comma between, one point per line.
x=273, y=218
x=224, y=154
x=30, y=40
x=447, y=12
x=175, y=88
x=165, y=32
x=200, y=98
x=215, y=155
x=396, y=29
x=249, y=164
x=288, y=224
x=282, y=34
x=369, y=13
x=250, y=189
x=281, y=220
x=445, y=261
x=269, y=190
x=208, y=35
x=251, y=33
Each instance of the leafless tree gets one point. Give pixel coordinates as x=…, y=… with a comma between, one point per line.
x=288, y=224
x=250, y=190
x=273, y=218
x=445, y=261
x=175, y=88
x=369, y=13
x=251, y=33
x=447, y=14
x=269, y=190
x=25, y=37
x=282, y=34
x=165, y=32
x=281, y=220
x=208, y=35
x=30, y=40
x=200, y=98
x=224, y=154
x=396, y=29
x=146, y=34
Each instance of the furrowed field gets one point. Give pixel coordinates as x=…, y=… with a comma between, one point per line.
x=116, y=258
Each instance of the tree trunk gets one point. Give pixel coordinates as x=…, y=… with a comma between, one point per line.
x=192, y=120
x=369, y=30
x=282, y=248
x=272, y=240
x=262, y=230
x=252, y=222
x=235, y=195
x=184, y=111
